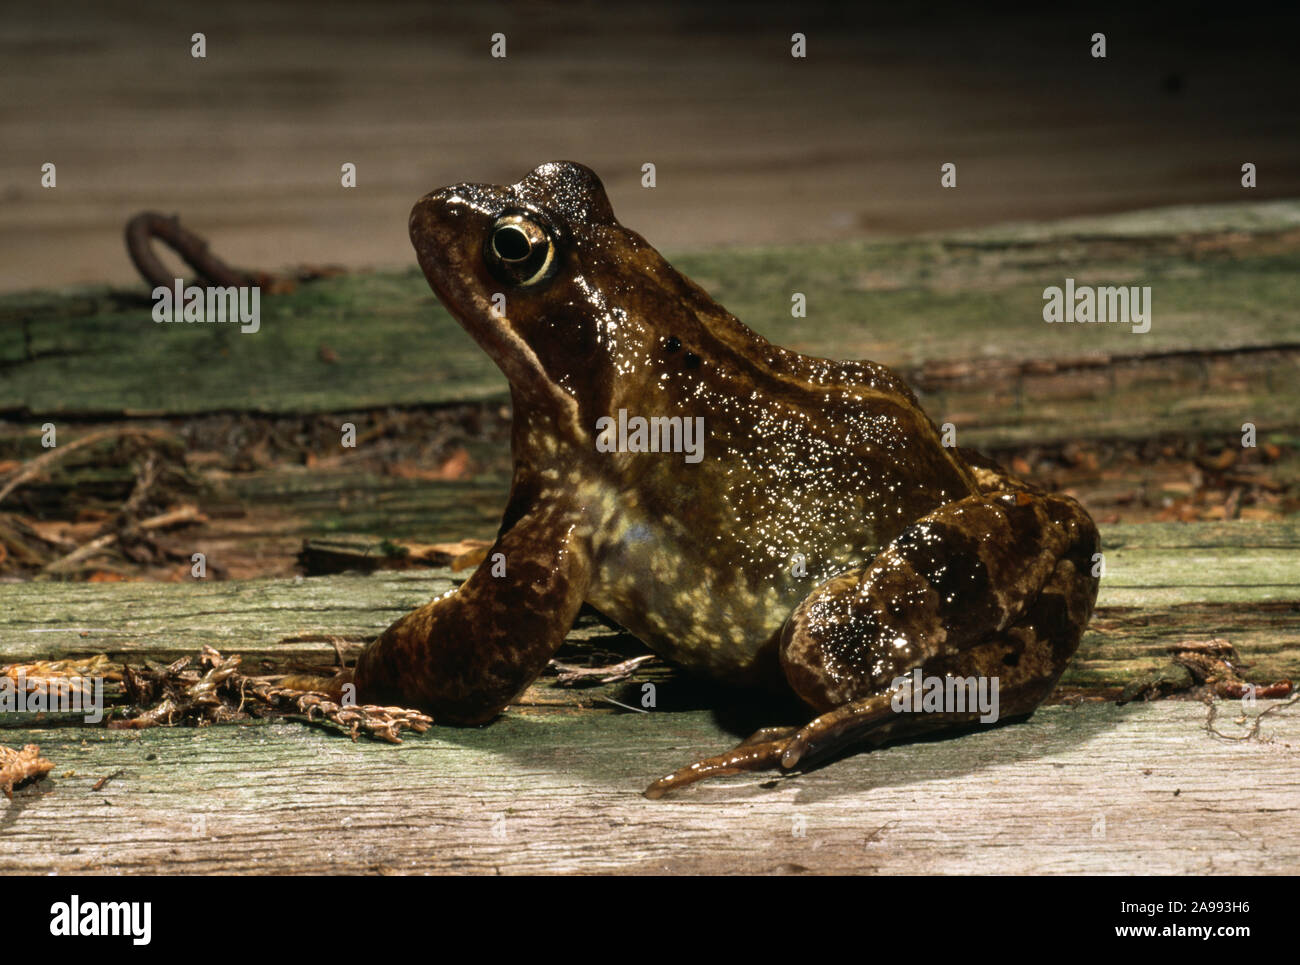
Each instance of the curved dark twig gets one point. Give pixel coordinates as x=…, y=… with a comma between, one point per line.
x=147, y=225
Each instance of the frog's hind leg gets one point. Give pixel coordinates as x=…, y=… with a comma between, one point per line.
x=1004, y=676
x=995, y=587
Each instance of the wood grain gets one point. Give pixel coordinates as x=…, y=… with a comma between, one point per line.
x=554, y=785
x=1164, y=584
x=1096, y=788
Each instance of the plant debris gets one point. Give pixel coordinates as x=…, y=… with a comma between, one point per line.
x=1217, y=664
x=1172, y=678
x=1212, y=712
x=18, y=767
x=46, y=676
x=129, y=485
x=568, y=675
x=229, y=464
x=342, y=554
x=103, y=781
x=218, y=693
x=1212, y=663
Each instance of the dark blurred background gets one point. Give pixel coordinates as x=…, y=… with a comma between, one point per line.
x=752, y=146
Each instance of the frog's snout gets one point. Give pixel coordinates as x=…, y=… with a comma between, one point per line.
x=426, y=213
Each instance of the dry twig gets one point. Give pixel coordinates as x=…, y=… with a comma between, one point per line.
x=173, y=517
x=568, y=674
x=1212, y=713
x=34, y=467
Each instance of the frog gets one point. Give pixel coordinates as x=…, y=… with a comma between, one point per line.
x=826, y=545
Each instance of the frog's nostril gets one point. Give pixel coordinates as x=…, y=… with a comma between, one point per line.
x=422, y=214
x=511, y=243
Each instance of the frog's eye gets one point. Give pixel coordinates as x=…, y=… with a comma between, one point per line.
x=519, y=251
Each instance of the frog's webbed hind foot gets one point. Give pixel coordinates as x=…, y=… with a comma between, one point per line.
x=868, y=721
x=760, y=751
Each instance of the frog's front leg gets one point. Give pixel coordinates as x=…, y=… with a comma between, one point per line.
x=464, y=656
x=997, y=586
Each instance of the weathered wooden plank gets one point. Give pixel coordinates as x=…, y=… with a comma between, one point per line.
x=1164, y=584
x=1087, y=787
x=1161, y=395
x=1093, y=788
x=900, y=302
x=280, y=619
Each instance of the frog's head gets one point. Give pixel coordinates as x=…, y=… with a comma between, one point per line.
x=574, y=308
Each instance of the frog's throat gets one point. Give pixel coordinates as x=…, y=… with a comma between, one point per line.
x=522, y=368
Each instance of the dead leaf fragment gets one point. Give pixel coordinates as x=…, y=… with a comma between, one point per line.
x=19, y=766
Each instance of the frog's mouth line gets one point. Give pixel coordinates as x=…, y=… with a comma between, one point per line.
x=464, y=288
x=512, y=355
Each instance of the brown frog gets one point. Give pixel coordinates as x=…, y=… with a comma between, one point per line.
x=811, y=532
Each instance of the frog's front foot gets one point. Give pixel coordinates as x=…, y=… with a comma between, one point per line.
x=464, y=656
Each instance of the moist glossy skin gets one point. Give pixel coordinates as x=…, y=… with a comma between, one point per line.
x=824, y=541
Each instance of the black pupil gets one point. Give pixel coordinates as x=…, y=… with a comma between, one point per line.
x=511, y=243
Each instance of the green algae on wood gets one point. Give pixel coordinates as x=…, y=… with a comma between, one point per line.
x=373, y=339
